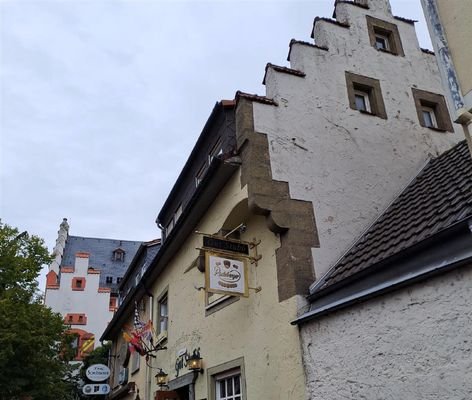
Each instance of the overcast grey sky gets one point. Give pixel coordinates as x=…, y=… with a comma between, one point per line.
x=102, y=101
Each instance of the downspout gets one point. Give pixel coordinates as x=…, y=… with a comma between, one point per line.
x=446, y=67
x=147, y=394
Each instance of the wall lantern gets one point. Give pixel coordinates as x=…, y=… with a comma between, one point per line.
x=194, y=362
x=161, y=378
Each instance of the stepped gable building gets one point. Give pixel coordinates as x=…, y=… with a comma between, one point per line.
x=82, y=282
x=291, y=180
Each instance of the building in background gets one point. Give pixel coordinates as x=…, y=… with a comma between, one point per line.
x=450, y=27
x=82, y=283
x=275, y=191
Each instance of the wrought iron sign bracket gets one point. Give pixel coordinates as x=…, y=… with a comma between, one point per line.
x=257, y=257
x=256, y=289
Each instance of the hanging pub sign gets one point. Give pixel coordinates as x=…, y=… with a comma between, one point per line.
x=226, y=274
x=225, y=245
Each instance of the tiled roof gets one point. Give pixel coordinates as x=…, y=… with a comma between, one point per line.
x=100, y=256
x=439, y=197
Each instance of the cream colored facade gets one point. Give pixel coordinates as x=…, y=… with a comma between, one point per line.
x=253, y=333
x=255, y=328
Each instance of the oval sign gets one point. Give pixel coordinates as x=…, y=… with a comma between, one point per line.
x=97, y=372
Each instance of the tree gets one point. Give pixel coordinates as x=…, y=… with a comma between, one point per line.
x=33, y=359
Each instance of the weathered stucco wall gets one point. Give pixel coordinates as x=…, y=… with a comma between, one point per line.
x=91, y=302
x=256, y=328
x=403, y=345
x=350, y=165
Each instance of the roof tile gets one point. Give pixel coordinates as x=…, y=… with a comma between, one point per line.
x=440, y=196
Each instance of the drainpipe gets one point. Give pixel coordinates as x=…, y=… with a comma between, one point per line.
x=147, y=394
x=446, y=67
x=465, y=119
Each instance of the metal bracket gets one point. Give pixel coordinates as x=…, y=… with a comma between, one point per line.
x=257, y=289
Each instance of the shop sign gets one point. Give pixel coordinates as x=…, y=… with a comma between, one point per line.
x=226, y=274
x=96, y=388
x=225, y=245
x=97, y=372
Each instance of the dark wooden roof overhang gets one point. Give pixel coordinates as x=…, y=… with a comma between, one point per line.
x=219, y=172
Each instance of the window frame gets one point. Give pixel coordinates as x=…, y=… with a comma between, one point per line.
x=356, y=83
x=377, y=27
x=78, y=283
x=425, y=100
x=226, y=369
x=200, y=175
x=162, y=334
x=215, y=151
x=135, y=362
x=224, y=377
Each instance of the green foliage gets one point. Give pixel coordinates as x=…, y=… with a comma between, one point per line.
x=32, y=337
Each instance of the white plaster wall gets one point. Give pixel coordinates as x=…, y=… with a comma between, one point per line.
x=350, y=165
x=415, y=343
x=89, y=302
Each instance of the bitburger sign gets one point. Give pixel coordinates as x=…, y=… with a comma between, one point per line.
x=226, y=274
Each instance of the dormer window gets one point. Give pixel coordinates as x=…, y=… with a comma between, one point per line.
x=200, y=174
x=215, y=151
x=118, y=255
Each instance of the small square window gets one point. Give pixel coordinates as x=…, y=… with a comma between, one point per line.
x=119, y=279
x=429, y=117
x=384, y=36
x=362, y=101
x=381, y=42
x=109, y=279
x=365, y=95
x=432, y=110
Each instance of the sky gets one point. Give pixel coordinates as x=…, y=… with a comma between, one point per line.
x=101, y=101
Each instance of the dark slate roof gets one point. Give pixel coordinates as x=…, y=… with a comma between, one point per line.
x=101, y=256
x=439, y=197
